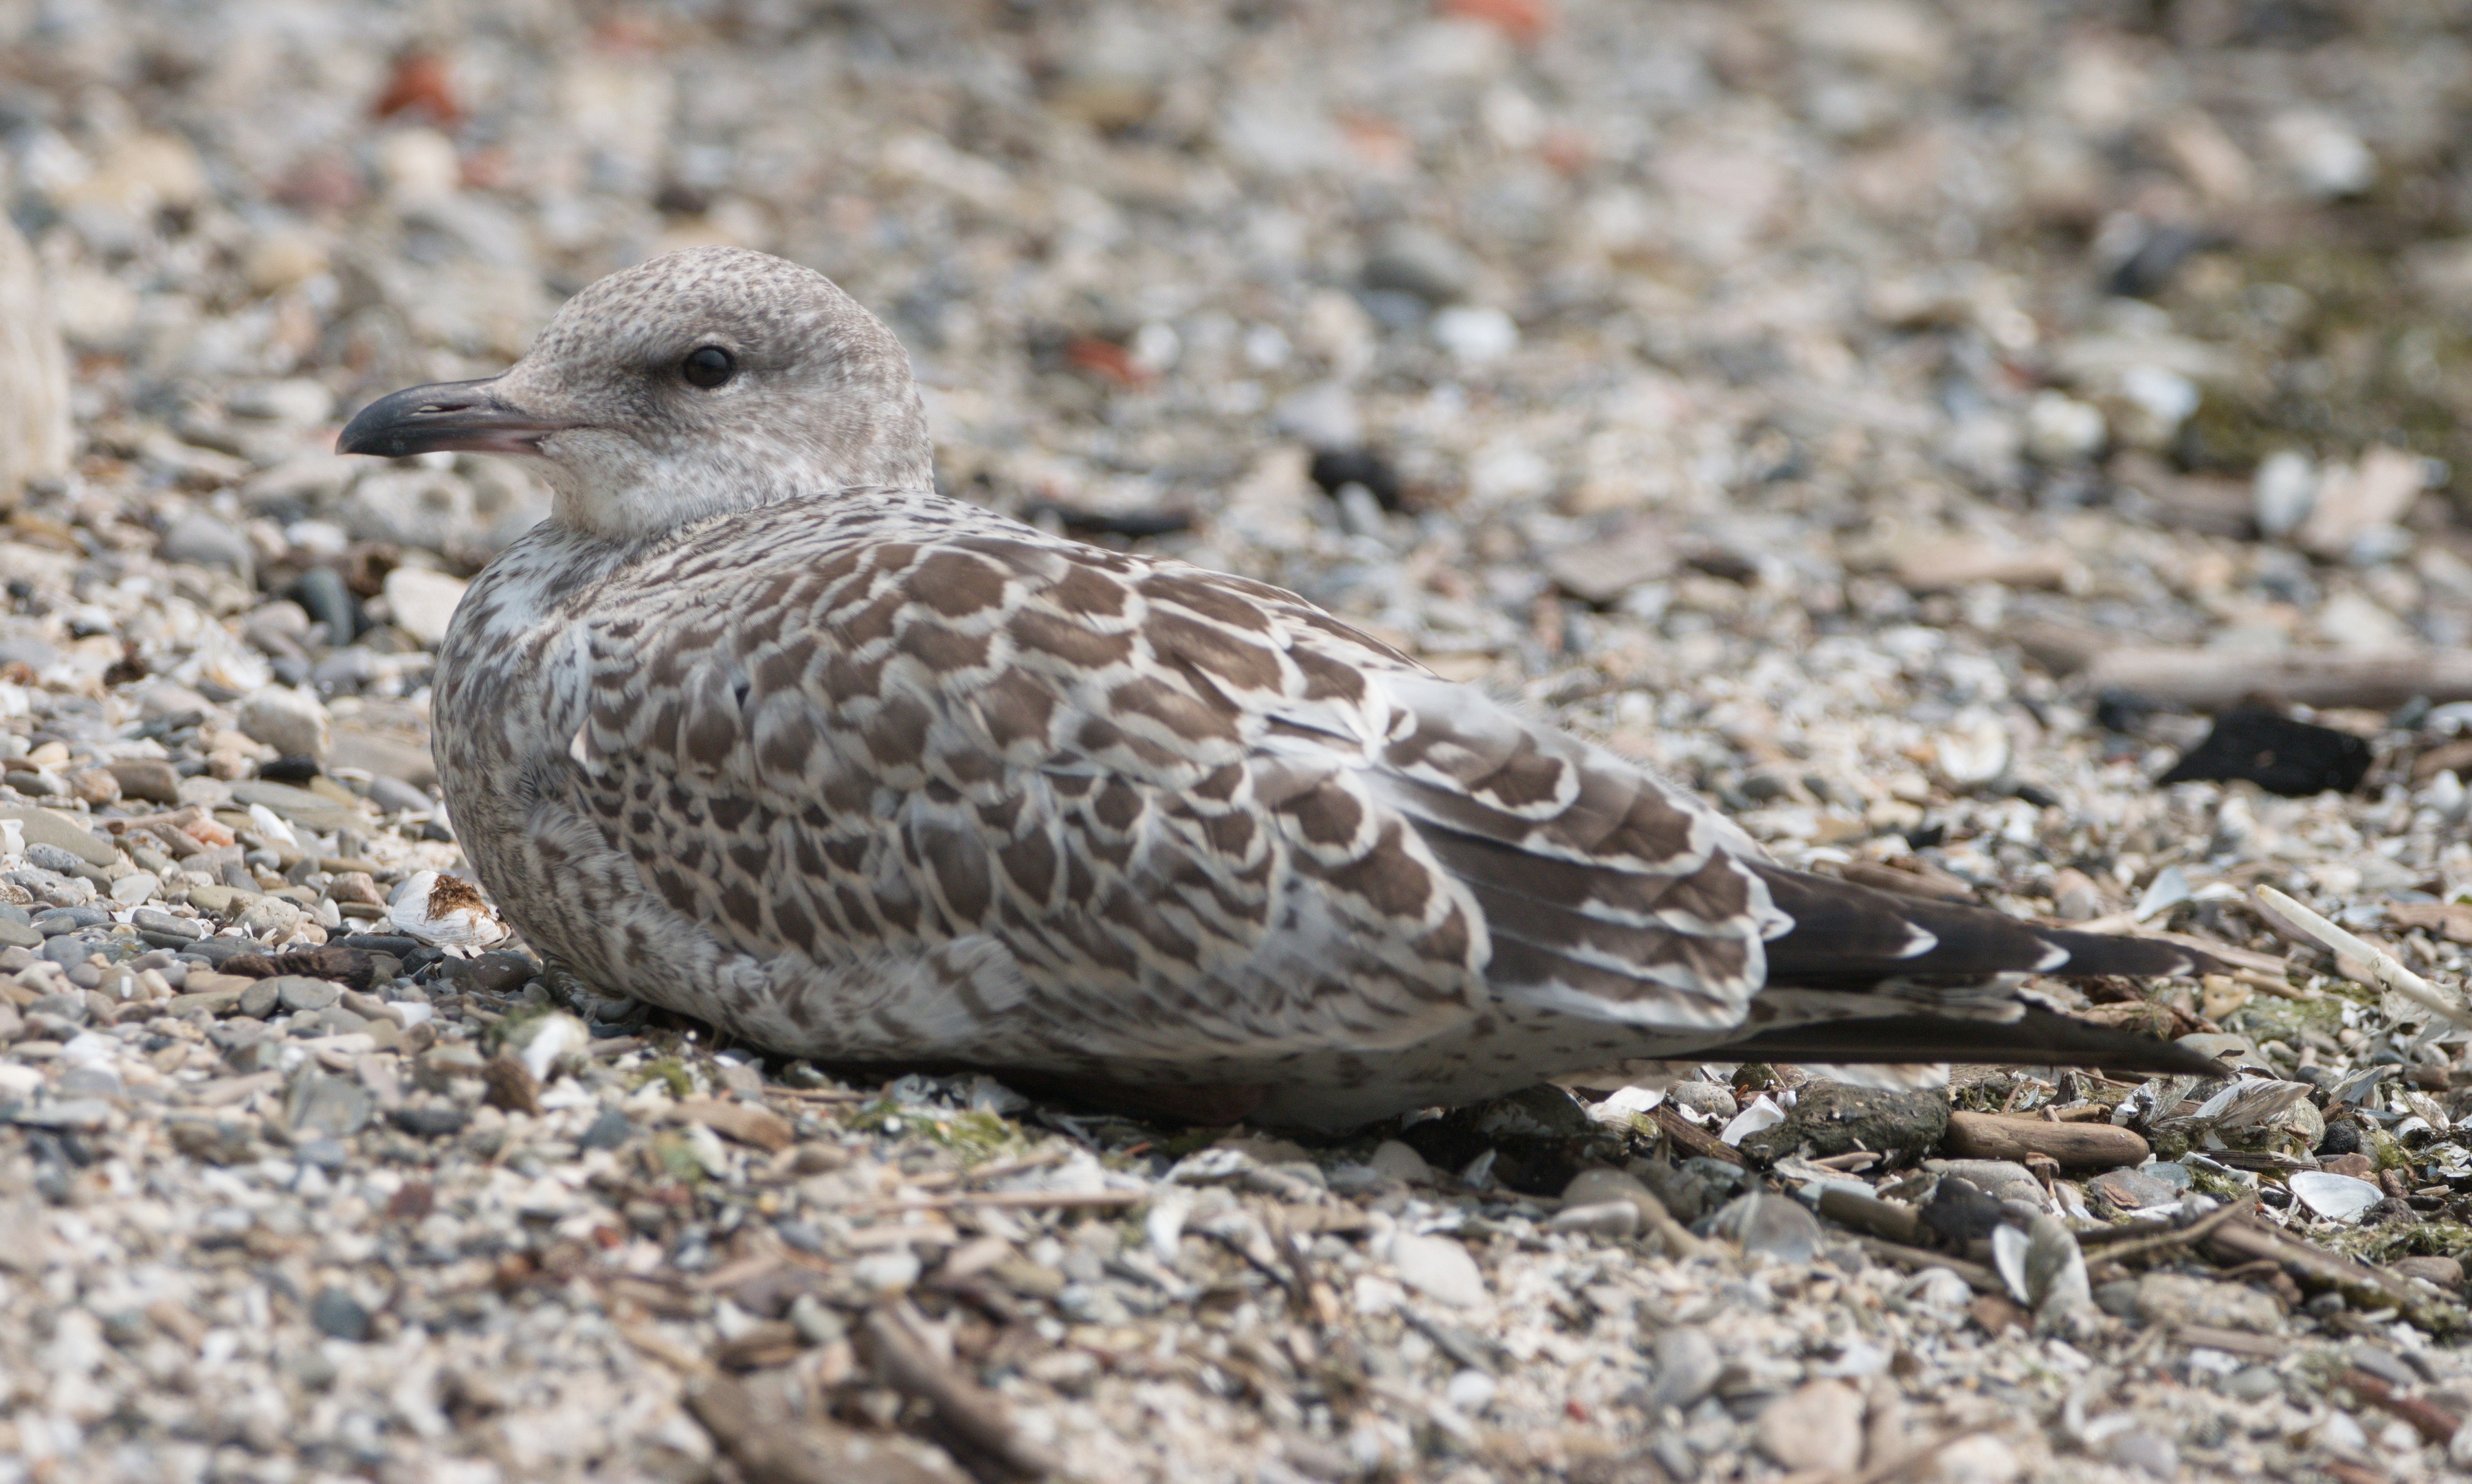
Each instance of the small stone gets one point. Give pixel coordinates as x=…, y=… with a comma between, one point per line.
x=81, y=1113
x=423, y=601
x=292, y=723
x=222, y=1002
x=2131, y=1189
x=2447, y=1273
x=1683, y=1365
x=1980, y=1458
x=1705, y=1099
x=259, y=999
x=156, y=921
x=1471, y=1391
x=1400, y=1163
x=2253, y=1383
x=609, y=1131
x=748, y=1124
x=200, y=539
x=20, y=936
x=270, y=917
x=1602, y=1218
x=430, y=1121
x=52, y=857
x=149, y=779
x=886, y=1272
x=330, y=1107
x=1819, y=1426
x=2149, y=1454
x=300, y=992
x=2181, y=1298
x=136, y=889
x=1831, y=1118
x=339, y=1315
x=1440, y=1269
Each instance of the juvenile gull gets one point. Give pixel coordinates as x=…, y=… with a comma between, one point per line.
x=759, y=727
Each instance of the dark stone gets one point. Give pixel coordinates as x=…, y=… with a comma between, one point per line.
x=340, y=1315
x=321, y=591
x=607, y=1132
x=2342, y=1138
x=1959, y=1214
x=1832, y=1119
x=499, y=972
x=1333, y=469
x=434, y=1121
x=378, y=943
x=289, y=769
x=2294, y=759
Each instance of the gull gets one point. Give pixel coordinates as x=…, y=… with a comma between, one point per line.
x=760, y=727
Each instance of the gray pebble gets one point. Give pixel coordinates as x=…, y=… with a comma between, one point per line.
x=339, y=1314
x=18, y=935
x=68, y=1007
x=300, y=992
x=430, y=1122
x=1685, y=1365
x=608, y=1131
x=2253, y=1383
x=335, y=1107
x=52, y=857
x=258, y=1000
x=151, y=920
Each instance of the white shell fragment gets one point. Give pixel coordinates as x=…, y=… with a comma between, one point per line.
x=2336, y=1197
x=1763, y=1112
x=445, y=912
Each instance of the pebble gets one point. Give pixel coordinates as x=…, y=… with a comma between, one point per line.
x=1400, y=1163
x=339, y=1315
x=1440, y=1269
x=2183, y=1299
x=1683, y=1366
x=2445, y=1272
x=300, y=992
x=2132, y=1189
x=1819, y=1426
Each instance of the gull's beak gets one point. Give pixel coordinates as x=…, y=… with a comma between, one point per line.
x=468, y=416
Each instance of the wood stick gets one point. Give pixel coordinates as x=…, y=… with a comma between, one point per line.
x=965, y=1406
x=2384, y=971
x=1981, y=1278
x=1996, y=1135
x=2215, y=680
x=1692, y=1137
x=2248, y=1240
x=798, y=1451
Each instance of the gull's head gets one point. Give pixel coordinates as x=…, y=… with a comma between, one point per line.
x=701, y=382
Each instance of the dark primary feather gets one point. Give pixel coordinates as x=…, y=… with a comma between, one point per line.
x=2037, y=1038
x=1852, y=937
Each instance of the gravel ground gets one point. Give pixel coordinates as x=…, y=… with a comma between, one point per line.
x=1834, y=403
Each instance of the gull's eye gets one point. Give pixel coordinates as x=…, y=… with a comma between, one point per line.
x=708, y=366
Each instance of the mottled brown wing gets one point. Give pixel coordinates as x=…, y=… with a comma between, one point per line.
x=1133, y=789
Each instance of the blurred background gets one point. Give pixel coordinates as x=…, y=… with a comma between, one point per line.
x=1611, y=354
